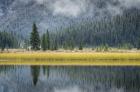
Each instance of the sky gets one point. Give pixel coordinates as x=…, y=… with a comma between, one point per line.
x=75, y=8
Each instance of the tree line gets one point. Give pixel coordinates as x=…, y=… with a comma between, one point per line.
x=119, y=31
x=38, y=42
x=8, y=40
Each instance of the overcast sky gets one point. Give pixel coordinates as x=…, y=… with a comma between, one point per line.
x=18, y=15
x=74, y=8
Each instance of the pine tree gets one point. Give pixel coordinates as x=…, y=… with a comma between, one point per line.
x=48, y=40
x=138, y=47
x=44, y=43
x=55, y=45
x=35, y=39
x=80, y=46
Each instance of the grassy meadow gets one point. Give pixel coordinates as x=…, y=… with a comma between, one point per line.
x=70, y=58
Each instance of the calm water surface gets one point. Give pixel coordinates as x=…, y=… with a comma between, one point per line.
x=69, y=79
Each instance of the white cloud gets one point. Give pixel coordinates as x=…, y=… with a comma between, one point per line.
x=43, y=25
x=130, y=3
x=114, y=10
x=74, y=8
x=69, y=7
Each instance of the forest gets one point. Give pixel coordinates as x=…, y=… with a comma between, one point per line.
x=120, y=31
x=8, y=40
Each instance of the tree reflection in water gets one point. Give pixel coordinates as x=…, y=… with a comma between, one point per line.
x=67, y=79
x=46, y=70
x=35, y=71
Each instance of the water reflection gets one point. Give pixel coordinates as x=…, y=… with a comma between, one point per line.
x=69, y=79
x=35, y=70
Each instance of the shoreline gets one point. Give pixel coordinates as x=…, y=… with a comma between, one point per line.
x=71, y=58
x=70, y=51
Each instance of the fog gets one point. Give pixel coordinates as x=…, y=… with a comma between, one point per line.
x=18, y=15
x=69, y=8
x=75, y=8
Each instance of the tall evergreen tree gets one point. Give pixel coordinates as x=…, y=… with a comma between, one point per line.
x=48, y=40
x=35, y=39
x=80, y=46
x=44, y=42
x=138, y=47
x=55, y=45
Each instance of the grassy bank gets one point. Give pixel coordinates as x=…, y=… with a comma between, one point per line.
x=71, y=58
x=75, y=63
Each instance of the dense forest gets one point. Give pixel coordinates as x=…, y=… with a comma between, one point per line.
x=118, y=31
x=8, y=40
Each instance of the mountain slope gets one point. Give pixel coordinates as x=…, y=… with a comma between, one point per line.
x=18, y=15
x=119, y=30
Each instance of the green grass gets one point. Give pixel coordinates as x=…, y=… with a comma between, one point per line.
x=69, y=58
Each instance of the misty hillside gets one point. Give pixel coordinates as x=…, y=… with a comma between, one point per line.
x=116, y=31
x=18, y=15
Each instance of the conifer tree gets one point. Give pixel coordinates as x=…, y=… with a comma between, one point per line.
x=35, y=39
x=44, y=43
x=80, y=46
x=7, y=40
x=48, y=40
x=138, y=47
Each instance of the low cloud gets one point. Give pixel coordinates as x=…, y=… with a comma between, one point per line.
x=130, y=3
x=69, y=7
x=114, y=10
x=75, y=8
x=78, y=7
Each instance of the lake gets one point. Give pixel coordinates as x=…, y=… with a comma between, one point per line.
x=69, y=79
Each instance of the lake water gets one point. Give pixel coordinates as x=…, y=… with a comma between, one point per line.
x=69, y=79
